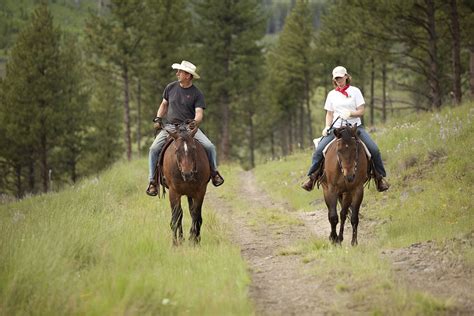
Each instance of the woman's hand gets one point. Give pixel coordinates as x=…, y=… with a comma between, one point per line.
x=346, y=114
x=325, y=131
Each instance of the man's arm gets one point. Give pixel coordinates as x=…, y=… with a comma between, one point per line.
x=163, y=109
x=199, y=116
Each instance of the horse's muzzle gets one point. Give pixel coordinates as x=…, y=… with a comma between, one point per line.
x=187, y=176
x=350, y=178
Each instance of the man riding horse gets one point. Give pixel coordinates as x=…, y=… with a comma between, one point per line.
x=182, y=101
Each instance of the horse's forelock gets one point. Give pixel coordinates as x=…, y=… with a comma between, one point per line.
x=346, y=134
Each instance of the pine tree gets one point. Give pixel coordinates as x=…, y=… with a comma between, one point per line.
x=293, y=66
x=76, y=98
x=33, y=96
x=115, y=41
x=227, y=32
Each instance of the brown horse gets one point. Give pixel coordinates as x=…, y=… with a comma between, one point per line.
x=346, y=167
x=187, y=172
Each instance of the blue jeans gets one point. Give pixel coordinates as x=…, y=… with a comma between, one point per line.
x=364, y=136
x=159, y=142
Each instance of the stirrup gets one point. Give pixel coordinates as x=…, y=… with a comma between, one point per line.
x=217, y=179
x=152, y=190
x=382, y=185
x=310, y=183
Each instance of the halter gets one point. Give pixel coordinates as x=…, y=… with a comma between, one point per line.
x=356, y=162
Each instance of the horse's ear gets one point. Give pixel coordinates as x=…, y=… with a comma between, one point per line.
x=354, y=130
x=337, y=133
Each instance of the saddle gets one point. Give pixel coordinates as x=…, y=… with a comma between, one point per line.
x=321, y=174
x=159, y=177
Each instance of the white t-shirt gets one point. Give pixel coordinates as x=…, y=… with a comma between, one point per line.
x=336, y=102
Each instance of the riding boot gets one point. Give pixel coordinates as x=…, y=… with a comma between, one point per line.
x=382, y=184
x=216, y=178
x=309, y=184
x=152, y=190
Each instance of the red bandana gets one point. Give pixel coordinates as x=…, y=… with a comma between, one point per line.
x=343, y=90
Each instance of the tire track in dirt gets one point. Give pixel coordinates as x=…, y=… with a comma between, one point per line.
x=281, y=284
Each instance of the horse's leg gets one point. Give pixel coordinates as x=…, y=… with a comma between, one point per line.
x=345, y=203
x=355, y=214
x=331, y=202
x=190, y=205
x=195, y=211
x=176, y=215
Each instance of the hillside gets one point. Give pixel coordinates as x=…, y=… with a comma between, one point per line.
x=104, y=247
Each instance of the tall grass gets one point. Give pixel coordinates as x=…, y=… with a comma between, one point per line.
x=104, y=247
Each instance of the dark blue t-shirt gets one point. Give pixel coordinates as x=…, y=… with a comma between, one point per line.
x=182, y=102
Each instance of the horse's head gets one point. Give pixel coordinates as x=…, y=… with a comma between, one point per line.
x=347, y=151
x=185, y=150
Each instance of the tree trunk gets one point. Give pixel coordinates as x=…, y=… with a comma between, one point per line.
x=139, y=122
x=31, y=173
x=372, y=96
x=384, y=93
x=308, y=110
x=471, y=72
x=18, y=182
x=456, y=51
x=126, y=112
x=301, y=126
x=224, y=143
x=272, y=144
x=433, y=79
x=251, y=140
x=44, y=158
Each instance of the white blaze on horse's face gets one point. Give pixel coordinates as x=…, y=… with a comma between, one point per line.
x=185, y=148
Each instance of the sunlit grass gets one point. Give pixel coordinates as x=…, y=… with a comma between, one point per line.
x=104, y=247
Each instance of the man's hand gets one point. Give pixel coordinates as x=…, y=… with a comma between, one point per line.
x=325, y=131
x=158, y=122
x=192, y=124
x=346, y=114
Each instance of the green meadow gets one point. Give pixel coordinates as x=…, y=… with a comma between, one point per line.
x=102, y=247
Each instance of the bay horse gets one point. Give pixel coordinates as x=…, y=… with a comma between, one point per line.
x=187, y=172
x=346, y=171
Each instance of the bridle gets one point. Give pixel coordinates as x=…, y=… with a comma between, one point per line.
x=194, y=157
x=356, y=162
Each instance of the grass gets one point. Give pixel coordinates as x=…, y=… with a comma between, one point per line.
x=103, y=247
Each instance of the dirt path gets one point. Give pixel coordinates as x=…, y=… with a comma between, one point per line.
x=283, y=285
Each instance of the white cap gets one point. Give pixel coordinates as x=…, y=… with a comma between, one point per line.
x=339, y=71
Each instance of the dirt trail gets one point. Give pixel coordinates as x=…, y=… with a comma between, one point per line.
x=283, y=284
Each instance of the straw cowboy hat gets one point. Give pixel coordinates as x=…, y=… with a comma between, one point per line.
x=188, y=67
